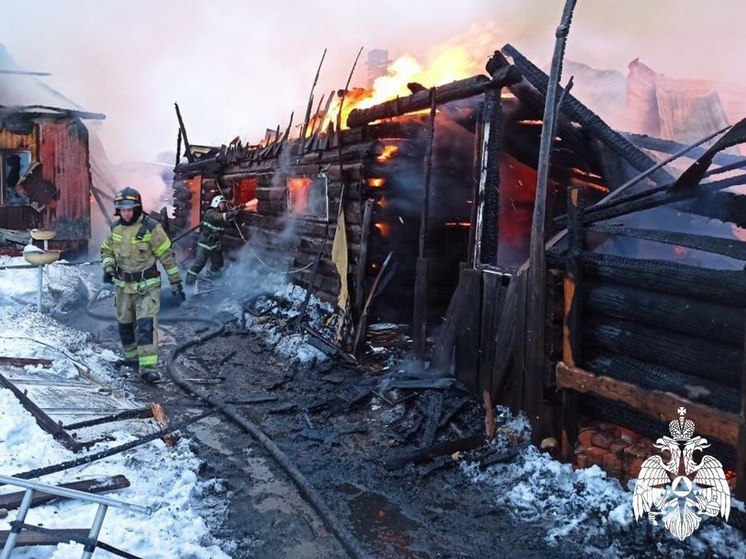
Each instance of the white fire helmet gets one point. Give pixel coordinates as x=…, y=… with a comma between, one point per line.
x=216, y=201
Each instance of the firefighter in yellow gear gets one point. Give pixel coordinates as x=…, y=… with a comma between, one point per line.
x=128, y=257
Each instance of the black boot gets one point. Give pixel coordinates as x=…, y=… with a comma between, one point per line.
x=150, y=376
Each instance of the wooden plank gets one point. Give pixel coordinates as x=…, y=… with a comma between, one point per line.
x=467, y=339
x=10, y=501
x=419, y=317
x=443, y=353
x=29, y=539
x=362, y=262
x=491, y=289
x=654, y=403
x=20, y=362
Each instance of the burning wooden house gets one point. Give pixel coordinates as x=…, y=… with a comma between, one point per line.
x=44, y=159
x=432, y=196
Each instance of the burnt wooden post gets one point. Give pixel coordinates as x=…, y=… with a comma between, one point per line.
x=490, y=176
x=419, y=320
x=362, y=263
x=475, y=197
x=571, y=331
x=182, y=128
x=741, y=448
x=535, y=297
x=178, y=148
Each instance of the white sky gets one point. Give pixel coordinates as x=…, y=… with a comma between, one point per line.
x=240, y=66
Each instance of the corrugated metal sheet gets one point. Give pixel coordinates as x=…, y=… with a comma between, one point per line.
x=63, y=152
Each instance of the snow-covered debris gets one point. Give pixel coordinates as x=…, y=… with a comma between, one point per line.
x=591, y=508
x=161, y=477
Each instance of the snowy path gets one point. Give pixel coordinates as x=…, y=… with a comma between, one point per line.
x=161, y=477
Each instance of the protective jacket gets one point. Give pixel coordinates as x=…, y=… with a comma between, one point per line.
x=131, y=252
x=214, y=224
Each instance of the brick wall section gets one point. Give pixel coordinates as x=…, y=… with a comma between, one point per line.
x=618, y=451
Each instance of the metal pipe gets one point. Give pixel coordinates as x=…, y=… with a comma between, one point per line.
x=38, y=300
x=10, y=543
x=72, y=494
x=98, y=522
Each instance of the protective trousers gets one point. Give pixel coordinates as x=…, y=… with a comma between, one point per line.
x=138, y=328
x=215, y=255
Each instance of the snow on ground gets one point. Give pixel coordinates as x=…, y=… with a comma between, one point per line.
x=161, y=477
x=282, y=300
x=590, y=508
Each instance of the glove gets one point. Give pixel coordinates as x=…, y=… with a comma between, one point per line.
x=178, y=290
x=233, y=213
x=109, y=276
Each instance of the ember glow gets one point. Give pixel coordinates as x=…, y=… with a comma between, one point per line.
x=383, y=228
x=376, y=183
x=388, y=153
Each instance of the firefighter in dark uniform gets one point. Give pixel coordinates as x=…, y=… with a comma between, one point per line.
x=216, y=220
x=129, y=258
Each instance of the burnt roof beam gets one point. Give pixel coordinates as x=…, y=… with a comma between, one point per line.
x=454, y=91
x=590, y=120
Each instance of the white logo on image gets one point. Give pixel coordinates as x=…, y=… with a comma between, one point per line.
x=681, y=491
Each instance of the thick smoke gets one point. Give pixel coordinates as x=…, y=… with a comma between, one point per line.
x=239, y=67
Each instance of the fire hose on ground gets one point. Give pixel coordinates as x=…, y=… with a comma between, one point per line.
x=343, y=535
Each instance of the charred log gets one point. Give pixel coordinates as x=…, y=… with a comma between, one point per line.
x=695, y=356
x=655, y=377
x=719, y=323
x=718, y=286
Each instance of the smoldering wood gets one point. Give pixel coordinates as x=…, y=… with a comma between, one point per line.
x=717, y=286
x=590, y=121
x=658, y=404
x=454, y=91
x=711, y=321
x=141, y=413
x=491, y=190
x=650, y=376
x=702, y=358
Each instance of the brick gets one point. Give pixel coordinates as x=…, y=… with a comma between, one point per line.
x=612, y=464
x=584, y=436
x=618, y=448
x=602, y=440
x=628, y=436
x=596, y=455
x=636, y=451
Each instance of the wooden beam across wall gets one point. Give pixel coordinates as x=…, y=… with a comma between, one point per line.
x=654, y=403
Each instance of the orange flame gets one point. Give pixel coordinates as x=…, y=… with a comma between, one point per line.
x=460, y=57
x=383, y=228
x=388, y=153
x=376, y=183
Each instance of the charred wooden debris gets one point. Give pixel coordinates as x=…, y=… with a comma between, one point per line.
x=434, y=193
